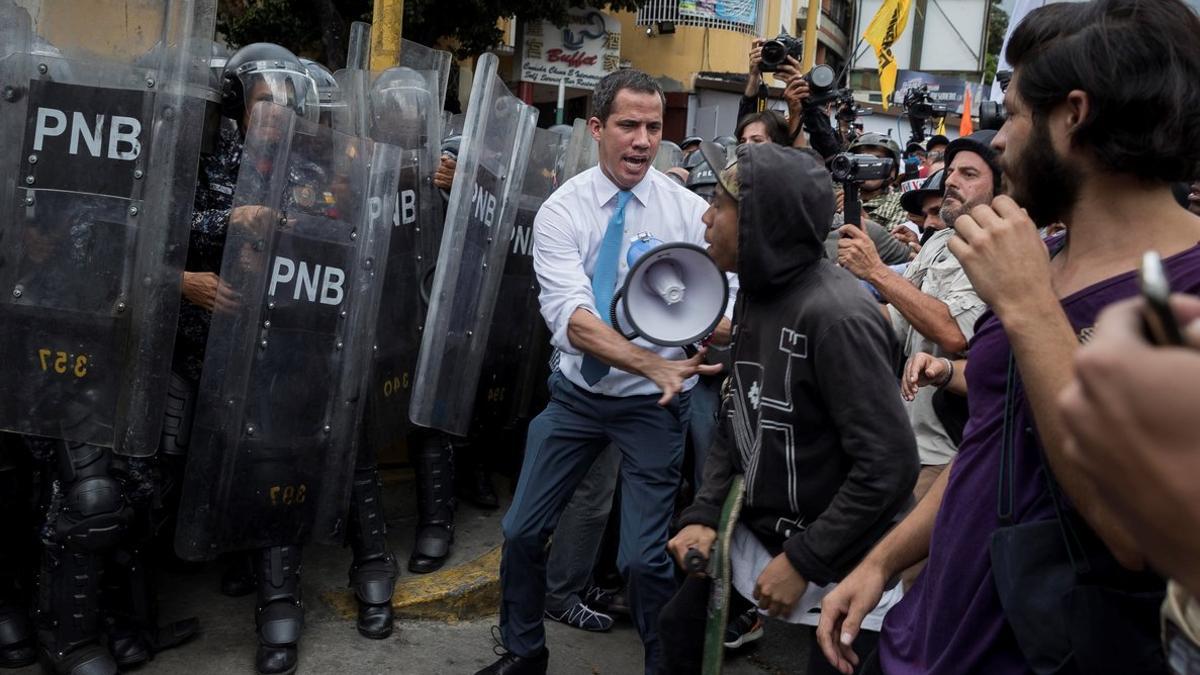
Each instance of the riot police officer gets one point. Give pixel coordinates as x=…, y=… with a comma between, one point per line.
x=255, y=73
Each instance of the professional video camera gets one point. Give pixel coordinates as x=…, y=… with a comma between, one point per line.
x=848, y=109
x=993, y=115
x=852, y=170
x=919, y=104
x=848, y=167
x=776, y=51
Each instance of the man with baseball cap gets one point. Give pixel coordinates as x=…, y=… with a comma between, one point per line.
x=933, y=305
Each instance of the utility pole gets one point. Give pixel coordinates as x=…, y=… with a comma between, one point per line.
x=810, y=34
x=387, y=24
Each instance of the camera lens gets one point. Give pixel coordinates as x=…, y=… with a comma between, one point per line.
x=821, y=77
x=842, y=167
x=773, y=52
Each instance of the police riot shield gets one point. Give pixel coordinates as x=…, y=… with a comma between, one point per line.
x=669, y=155
x=273, y=443
x=426, y=59
x=479, y=224
x=412, y=55
x=398, y=106
x=101, y=115
x=518, y=351
x=582, y=151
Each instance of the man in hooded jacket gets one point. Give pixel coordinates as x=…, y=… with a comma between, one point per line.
x=811, y=412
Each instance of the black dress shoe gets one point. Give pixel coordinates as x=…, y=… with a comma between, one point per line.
x=16, y=639
x=477, y=488
x=431, y=549
x=511, y=664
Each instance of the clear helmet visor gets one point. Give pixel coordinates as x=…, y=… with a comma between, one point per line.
x=281, y=86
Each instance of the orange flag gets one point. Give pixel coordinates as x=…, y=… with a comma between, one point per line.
x=965, y=127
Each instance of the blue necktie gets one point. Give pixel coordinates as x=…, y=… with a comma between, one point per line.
x=604, y=282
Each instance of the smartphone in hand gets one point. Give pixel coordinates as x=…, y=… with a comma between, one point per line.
x=1158, y=322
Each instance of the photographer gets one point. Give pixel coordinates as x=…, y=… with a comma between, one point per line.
x=879, y=200
x=1093, y=139
x=801, y=118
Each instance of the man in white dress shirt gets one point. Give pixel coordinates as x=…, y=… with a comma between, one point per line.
x=606, y=388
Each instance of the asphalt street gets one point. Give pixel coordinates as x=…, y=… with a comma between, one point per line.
x=330, y=643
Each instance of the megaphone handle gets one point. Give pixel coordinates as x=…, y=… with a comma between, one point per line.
x=690, y=350
x=612, y=314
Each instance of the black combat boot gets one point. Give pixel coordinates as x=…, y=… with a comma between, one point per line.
x=280, y=612
x=17, y=645
x=374, y=571
x=87, y=517
x=434, y=464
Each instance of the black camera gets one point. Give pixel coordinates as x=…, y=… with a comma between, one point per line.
x=992, y=115
x=848, y=167
x=822, y=85
x=848, y=109
x=776, y=51
x=919, y=104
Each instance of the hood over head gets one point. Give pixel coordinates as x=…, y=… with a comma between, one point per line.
x=785, y=209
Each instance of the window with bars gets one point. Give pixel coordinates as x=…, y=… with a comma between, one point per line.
x=741, y=16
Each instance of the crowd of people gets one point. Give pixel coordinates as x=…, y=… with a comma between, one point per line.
x=962, y=452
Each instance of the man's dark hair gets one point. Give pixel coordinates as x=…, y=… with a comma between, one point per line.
x=777, y=127
x=627, y=78
x=1138, y=61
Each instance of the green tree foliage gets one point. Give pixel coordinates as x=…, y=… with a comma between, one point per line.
x=997, y=24
x=314, y=28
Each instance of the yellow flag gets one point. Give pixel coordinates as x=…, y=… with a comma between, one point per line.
x=887, y=27
x=941, y=127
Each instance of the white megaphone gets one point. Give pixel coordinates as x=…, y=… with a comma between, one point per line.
x=674, y=294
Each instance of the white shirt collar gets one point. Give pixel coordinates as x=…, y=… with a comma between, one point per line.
x=606, y=189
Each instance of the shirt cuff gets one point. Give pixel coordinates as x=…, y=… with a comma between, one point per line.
x=560, y=338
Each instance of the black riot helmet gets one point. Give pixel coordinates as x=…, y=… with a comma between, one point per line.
x=270, y=69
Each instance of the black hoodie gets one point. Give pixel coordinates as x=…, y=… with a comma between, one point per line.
x=813, y=415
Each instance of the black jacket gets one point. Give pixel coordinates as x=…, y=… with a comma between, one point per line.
x=813, y=415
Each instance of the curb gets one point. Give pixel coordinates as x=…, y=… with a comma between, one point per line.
x=467, y=591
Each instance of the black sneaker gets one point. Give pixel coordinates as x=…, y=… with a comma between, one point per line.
x=744, y=629
x=610, y=602
x=582, y=617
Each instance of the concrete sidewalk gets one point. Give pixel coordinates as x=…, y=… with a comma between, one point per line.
x=462, y=599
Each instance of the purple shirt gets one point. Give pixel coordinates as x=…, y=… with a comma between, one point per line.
x=951, y=620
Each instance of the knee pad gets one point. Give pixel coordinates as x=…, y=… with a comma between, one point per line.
x=95, y=514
